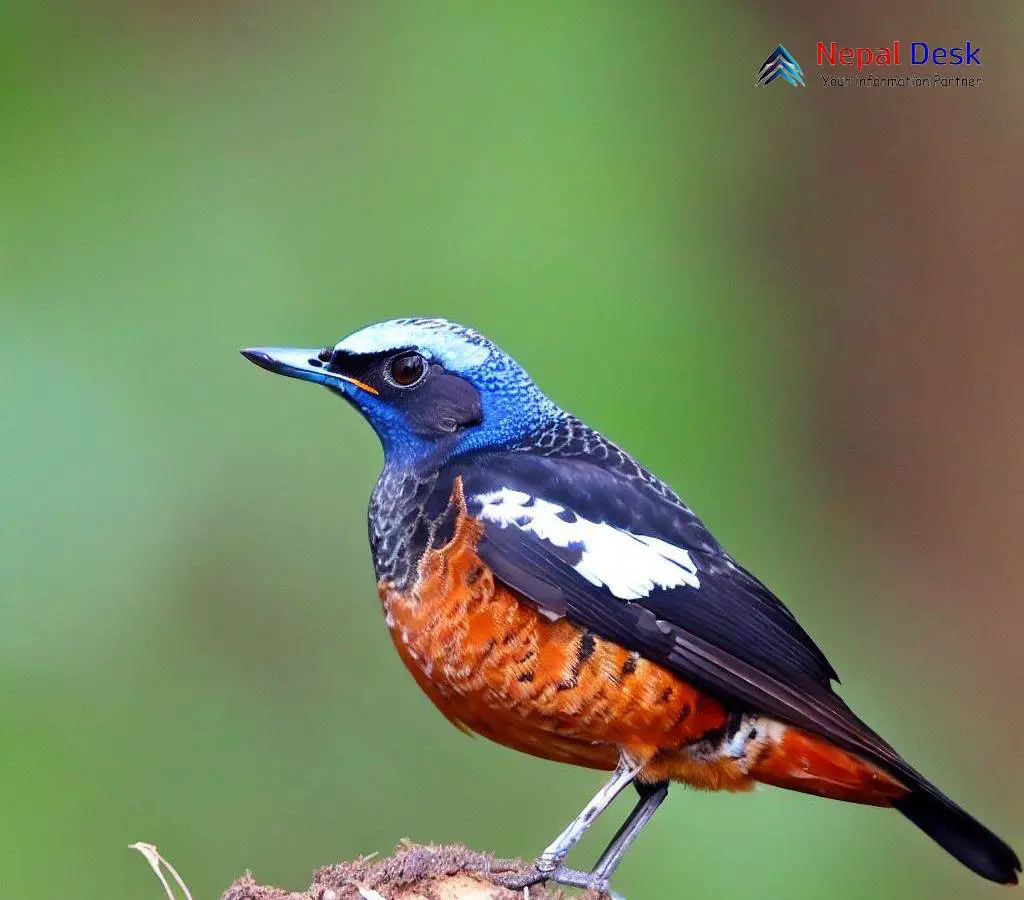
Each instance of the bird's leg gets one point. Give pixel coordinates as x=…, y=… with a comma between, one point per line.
x=651, y=797
x=549, y=864
x=559, y=848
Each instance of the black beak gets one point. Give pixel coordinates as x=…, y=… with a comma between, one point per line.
x=305, y=364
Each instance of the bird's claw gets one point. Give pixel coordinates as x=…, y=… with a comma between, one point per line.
x=543, y=871
x=575, y=878
x=519, y=879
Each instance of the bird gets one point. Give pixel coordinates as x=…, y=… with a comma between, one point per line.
x=547, y=592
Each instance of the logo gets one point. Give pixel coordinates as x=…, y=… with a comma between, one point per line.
x=780, y=64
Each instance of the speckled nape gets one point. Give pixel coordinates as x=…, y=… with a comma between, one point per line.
x=568, y=437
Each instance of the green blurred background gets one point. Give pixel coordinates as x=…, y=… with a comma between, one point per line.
x=802, y=308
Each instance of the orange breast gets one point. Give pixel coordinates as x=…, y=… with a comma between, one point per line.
x=493, y=664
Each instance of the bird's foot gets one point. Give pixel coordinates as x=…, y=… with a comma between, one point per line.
x=587, y=880
x=542, y=871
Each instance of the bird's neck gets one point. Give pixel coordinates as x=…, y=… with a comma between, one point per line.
x=397, y=509
x=411, y=474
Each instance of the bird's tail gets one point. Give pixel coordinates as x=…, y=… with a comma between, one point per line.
x=958, y=833
x=805, y=762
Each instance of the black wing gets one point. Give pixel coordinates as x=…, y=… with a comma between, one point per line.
x=731, y=636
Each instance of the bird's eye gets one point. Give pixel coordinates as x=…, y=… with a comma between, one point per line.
x=325, y=354
x=407, y=369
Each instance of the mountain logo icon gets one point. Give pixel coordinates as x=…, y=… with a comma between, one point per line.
x=780, y=64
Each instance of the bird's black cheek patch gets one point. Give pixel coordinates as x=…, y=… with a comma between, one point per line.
x=442, y=404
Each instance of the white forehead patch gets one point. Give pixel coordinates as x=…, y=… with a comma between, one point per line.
x=629, y=565
x=451, y=345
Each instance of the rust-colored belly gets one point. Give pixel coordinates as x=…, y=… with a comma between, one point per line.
x=494, y=664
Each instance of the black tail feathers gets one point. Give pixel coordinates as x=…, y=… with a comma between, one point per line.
x=958, y=833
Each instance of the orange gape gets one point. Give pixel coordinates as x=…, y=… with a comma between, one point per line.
x=495, y=665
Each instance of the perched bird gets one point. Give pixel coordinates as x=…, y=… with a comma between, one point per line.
x=548, y=592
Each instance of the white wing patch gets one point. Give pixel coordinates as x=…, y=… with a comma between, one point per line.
x=629, y=565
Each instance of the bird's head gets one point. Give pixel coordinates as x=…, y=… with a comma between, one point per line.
x=428, y=387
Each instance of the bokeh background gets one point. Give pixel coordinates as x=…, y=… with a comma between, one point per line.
x=802, y=308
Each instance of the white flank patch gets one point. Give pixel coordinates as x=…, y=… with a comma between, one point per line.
x=453, y=350
x=629, y=565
